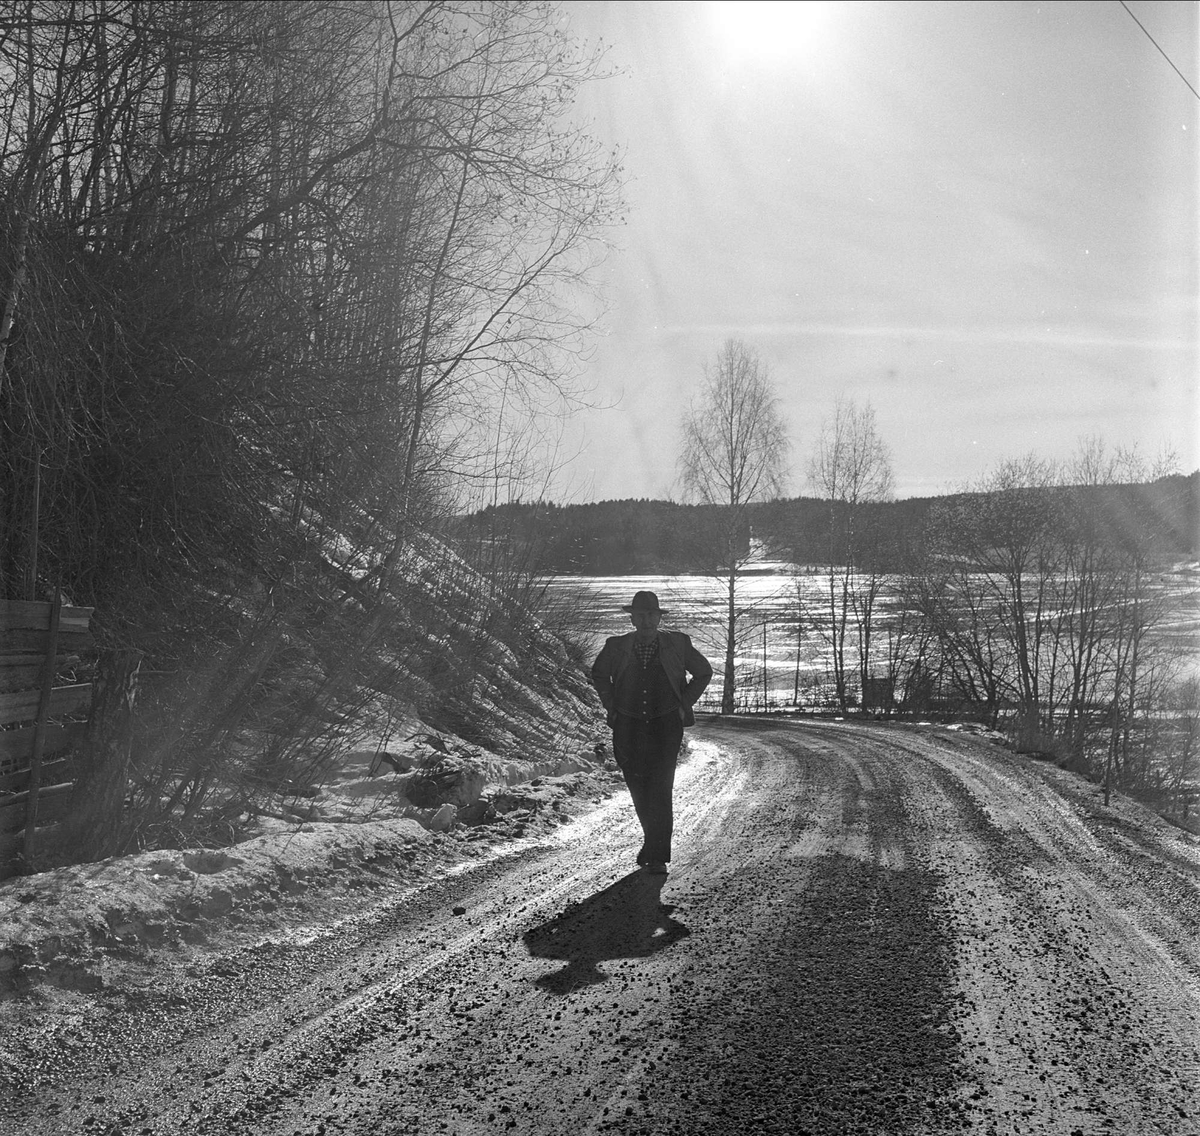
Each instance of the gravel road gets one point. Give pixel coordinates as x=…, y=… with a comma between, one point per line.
x=867, y=929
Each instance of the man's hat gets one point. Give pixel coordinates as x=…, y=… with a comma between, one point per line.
x=644, y=601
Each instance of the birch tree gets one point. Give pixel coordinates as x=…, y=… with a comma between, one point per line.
x=734, y=448
x=850, y=468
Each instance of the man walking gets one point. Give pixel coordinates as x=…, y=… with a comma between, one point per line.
x=642, y=680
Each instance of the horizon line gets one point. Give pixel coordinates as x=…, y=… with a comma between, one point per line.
x=918, y=496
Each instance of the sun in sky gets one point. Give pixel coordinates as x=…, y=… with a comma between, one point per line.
x=980, y=217
x=769, y=29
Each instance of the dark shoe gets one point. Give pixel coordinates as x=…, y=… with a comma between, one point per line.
x=641, y=858
x=655, y=867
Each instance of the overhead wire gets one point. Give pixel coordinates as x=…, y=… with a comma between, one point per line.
x=1160, y=50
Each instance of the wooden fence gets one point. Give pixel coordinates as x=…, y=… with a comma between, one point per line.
x=40, y=722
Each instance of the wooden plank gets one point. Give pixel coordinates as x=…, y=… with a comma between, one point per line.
x=11, y=844
x=12, y=819
x=17, y=745
x=43, y=720
x=19, y=678
x=18, y=782
x=22, y=705
x=21, y=659
x=50, y=789
x=69, y=642
x=29, y=616
x=53, y=804
x=24, y=671
x=14, y=659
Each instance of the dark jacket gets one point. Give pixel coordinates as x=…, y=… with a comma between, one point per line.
x=678, y=657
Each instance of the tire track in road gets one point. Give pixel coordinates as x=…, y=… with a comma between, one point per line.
x=217, y=1084
x=1081, y=1017
x=842, y=1023
x=770, y=1001
x=866, y=930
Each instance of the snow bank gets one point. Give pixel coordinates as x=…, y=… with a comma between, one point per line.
x=152, y=897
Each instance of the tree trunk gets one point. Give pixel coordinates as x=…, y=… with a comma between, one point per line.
x=796, y=673
x=766, y=685
x=728, y=684
x=839, y=638
x=17, y=272
x=97, y=818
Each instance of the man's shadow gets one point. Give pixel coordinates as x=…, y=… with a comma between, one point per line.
x=625, y=920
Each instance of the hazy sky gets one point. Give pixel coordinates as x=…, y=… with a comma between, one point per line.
x=980, y=216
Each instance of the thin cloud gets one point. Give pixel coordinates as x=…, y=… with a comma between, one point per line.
x=1051, y=337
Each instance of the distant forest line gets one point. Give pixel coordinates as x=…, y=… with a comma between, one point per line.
x=649, y=537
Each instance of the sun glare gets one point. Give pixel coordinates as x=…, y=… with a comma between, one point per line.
x=769, y=28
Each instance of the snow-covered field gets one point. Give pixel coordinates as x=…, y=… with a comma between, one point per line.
x=780, y=611
x=768, y=599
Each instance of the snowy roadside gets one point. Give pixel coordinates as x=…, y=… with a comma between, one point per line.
x=359, y=839
x=319, y=858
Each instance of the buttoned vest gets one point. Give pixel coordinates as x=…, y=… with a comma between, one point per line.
x=644, y=692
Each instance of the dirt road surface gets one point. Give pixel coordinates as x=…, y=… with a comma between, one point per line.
x=867, y=929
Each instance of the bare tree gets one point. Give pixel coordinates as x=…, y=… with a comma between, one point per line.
x=851, y=468
x=267, y=273
x=998, y=553
x=734, y=447
x=1045, y=597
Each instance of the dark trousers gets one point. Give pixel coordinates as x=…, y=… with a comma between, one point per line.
x=646, y=753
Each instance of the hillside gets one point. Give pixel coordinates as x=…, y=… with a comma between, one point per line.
x=641, y=536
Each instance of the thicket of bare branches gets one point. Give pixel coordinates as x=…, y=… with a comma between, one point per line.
x=1035, y=608
x=851, y=468
x=276, y=280
x=1035, y=601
